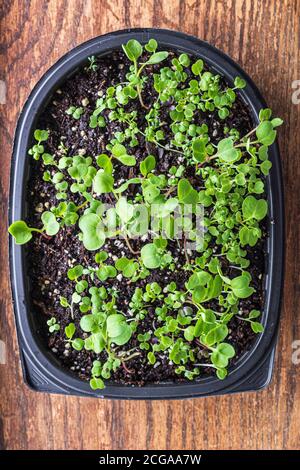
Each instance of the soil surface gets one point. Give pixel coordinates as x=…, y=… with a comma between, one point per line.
x=50, y=258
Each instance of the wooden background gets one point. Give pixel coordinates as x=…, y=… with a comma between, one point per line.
x=263, y=36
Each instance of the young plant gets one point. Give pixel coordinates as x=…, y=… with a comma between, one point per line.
x=154, y=255
x=128, y=267
x=53, y=325
x=92, y=63
x=120, y=153
x=133, y=50
x=22, y=233
x=256, y=326
x=147, y=165
x=38, y=149
x=104, y=271
x=75, y=112
x=76, y=343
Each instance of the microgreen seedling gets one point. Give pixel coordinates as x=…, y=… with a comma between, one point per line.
x=133, y=49
x=53, y=325
x=38, y=149
x=92, y=63
x=75, y=112
x=22, y=233
x=256, y=326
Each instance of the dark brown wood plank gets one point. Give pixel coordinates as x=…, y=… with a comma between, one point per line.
x=264, y=38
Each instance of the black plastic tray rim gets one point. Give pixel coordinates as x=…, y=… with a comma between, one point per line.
x=41, y=370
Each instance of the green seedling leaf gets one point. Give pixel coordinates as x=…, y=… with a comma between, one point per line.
x=50, y=223
x=199, y=149
x=105, y=272
x=41, y=135
x=96, y=383
x=119, y=152
x=78, y=344
x=151, y=46
x=216, y=335
x=189, y=333
x=147, y=165
x=105, y=162
x=151, y=358
x=127, y=266
x=150, y=256
x=239, y=82
x=249, y=236
x=103, y=182
x=253, y=208
x=265, y=133
x=221, y=373
x=226, y=151
x=157, y=57
x=88, y=323
x=114, y=325
x=128, y=160
x=265, y=167
x=276, y=122
x=184, y=60
x=133, y=50
x=257, y=327
x=64, y=302
x=254, y=314
x=240, y=286
x=75, y=273
x=101, y=256
x=21, y=232
x=221, y=355
x=125, y=185
x=48, y=159
x=70, y=330
x=124, y=210
x=92, y=230
x=197, y=67
x=186, y=193
x=198, y=279
x=53, y=326
x=118, y=330
x=265, y=114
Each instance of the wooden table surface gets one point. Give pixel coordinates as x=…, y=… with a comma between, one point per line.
x=263, y=37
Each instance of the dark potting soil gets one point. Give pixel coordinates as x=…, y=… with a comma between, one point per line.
x=50, y=258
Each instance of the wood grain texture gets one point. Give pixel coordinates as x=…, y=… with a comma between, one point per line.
x=264, y=38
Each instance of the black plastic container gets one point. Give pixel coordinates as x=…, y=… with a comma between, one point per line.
x=41, y=370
